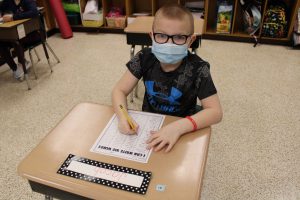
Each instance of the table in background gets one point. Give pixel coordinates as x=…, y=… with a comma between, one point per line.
x=9, y=33
x=180, y=170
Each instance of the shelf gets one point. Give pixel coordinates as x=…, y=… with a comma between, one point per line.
x=138, y=6
x=279, y=39
x=245, y=38
x=101, y=29
x=242, y=34
x=151, y=6
x=237, y=33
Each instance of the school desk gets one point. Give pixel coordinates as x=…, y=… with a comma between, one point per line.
x=180, y=171
x=15, y=30
x=137, y=33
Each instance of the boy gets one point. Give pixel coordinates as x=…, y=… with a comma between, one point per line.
x=173, y=80
x=15, y=10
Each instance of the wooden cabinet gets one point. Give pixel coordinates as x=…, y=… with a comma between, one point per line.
x=49, y=18
x=129, y=8
x=237, y=32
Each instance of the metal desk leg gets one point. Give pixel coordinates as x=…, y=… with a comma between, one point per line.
x=27, y=81
x=136, y=90
x=137, y=86
x=37, y=55
x=47, y=56
x=20, y=51
x=200, y=39
x=194, y=51
x=132, y=49
x=51, y=50
x=32, y=63
x=131, y=56
x=26, y=75
x=48, y=197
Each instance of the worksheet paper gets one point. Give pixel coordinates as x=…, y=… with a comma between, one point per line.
x=131, y=147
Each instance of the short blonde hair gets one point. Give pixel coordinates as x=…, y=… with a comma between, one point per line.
x=175, y=11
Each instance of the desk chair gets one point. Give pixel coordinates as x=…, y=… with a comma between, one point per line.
x=134, y=92
x=2, y=61
x=42, y=41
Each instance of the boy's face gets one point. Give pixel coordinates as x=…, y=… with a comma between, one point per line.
x=173, y=27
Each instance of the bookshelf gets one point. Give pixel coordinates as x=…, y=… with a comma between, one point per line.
x=129, y=7
x=237, y=33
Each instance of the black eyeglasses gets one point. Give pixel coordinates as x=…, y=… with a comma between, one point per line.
x=162, y=38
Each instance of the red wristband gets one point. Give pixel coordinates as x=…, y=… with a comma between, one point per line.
x=193, y=122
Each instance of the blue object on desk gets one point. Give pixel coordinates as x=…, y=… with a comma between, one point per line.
x=160, y=187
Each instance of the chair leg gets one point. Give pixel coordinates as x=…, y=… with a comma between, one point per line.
x=48, y=197
x=194, y=51
x=57, y=59
x=131, y=56
x=33, y=67
x=47, y=56
x=27, y=81
x=37, y=55
x=136, y=90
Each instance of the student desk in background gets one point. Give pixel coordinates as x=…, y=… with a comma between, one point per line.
x=15, y=30
x=181, y=170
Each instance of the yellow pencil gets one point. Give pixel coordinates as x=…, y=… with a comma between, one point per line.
x=128, y=118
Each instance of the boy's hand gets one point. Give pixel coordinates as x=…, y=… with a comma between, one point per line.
x=124, y=127
x=166, y=136
x=8, y=18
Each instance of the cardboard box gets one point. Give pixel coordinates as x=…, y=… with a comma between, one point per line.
x=92, y=19
x=116, y=22
x=92, y=23
x=93, y=16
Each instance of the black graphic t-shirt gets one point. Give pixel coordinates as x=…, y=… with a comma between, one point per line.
x=172, y=93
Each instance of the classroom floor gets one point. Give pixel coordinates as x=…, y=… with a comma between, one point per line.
x=254, y=152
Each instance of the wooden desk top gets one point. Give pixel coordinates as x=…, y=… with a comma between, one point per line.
x=181, y=170
x=13, y=23
x=9, y=30
x=144, y=25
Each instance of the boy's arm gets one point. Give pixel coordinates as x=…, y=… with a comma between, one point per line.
x=119, y=97
x=211, y=114
x=168, y=135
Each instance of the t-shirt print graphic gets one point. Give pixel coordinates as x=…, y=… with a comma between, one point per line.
x=162, y=102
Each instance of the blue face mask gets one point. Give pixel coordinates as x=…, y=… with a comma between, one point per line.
x=169, y=53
